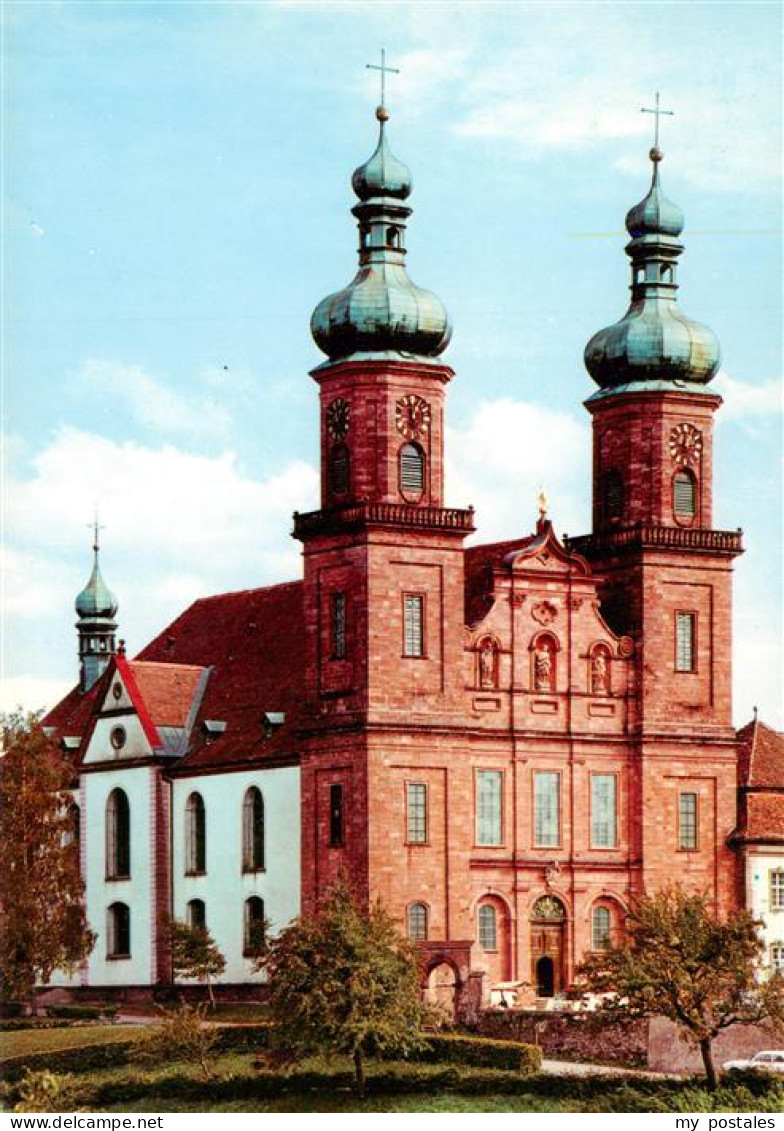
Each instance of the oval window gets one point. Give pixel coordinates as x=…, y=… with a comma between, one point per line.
x=118, y=737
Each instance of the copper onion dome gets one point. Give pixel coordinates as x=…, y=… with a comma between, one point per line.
x=654, y=341
x=381, y=310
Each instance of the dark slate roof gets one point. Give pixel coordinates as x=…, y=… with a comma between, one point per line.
x=252, y=642
x=479, y=564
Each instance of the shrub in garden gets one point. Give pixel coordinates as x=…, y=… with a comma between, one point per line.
x=180, y=1034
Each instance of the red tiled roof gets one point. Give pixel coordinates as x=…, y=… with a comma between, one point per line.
x=765, y=817
x=167, y=690
x=761, y=755
x=253, y=642
x=479, y=563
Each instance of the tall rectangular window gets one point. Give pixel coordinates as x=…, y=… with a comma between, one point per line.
x=335, y=816
x=604, y=810
x=416, y=813
x=685, y=637
x=338, y=626
x=489, y=807
x=413, y=627
x=777, y=889
x=547, y=810
x=687, y=820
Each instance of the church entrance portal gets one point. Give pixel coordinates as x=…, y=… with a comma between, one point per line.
x=545, y=978
x=441, y=990
x=548, y=945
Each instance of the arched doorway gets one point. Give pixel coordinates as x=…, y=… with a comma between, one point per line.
x=548, y=945
x=545, y=977
x=441, y=990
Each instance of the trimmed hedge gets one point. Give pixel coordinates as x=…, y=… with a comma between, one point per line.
x=82, y=1012
x=19, y=1023
x=480, y=1052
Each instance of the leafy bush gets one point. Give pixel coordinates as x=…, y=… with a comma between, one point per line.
x=83, y=1012
x=41, y=1091
x=180, y=1034
x=11, y=1008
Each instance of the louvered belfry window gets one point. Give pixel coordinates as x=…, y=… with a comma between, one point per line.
x=613, y=494
x=338, y=626
x=412, y=469
x=684, y=489
x=339, y=469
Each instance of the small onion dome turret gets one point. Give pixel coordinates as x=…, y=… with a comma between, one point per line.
x=654, y=341
x=96, y=599
x=381, y=310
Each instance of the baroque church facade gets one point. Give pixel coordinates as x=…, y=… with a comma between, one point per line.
x=505, y=742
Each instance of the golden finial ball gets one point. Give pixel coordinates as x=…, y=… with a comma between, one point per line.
x=382, y=114
x=656, y=154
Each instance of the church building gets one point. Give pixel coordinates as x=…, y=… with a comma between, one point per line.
x=505, y=742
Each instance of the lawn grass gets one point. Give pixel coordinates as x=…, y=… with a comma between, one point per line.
x=23, y=1042
x=242, y=1083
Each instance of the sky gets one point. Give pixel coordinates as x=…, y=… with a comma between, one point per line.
x=176, y=202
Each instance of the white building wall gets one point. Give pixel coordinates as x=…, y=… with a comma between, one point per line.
x=138, y=783
x=760, y=862
x=224, y=888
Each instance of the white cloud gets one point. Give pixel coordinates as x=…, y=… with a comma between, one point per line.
x=155, y=406
x=743, y=400
x=177, y=526
x=31, y=693
x=507, y=454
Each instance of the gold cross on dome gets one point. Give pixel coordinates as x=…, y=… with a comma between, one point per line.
x=657, y=111
x=96, y=527
x=385, y=70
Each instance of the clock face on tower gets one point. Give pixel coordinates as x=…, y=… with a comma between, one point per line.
x=685, y=444
x=338, y=416
x=412, y=417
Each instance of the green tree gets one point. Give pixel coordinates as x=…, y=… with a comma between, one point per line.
x=344, y=981
x=43, y=927
x=682, y=962
x=195, y=954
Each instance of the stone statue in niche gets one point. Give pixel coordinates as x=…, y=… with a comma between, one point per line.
x=488, y=676
x=543, y=669
x=599, y=674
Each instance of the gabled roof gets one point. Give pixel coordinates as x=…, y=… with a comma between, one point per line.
x=760, y=755
x=253, y=642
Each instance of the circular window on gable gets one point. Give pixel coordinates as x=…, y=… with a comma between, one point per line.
x=118, y=737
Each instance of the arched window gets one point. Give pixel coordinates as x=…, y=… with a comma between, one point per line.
x=118, y=931
x=253, y=927
x=393, y=237
x=73, y=830
x=195, y=835
x=196, y=914
x=600, y=928
x=488, y=927
x=118, y=836
x=612, y=494
x=253, y=831
x=416, y=922
x=684, y=494
x=339, y=469
x=412, y=469
x=666, y=273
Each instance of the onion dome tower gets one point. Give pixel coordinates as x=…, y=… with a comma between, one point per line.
x=654, y=345
x=381, y=310
x=96, y=608
x=666, y=572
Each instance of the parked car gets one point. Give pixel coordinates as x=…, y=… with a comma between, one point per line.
x=770, y=1060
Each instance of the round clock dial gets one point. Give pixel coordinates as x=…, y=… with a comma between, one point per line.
x=338, y=417
x=412, y=417
x=685, y=444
